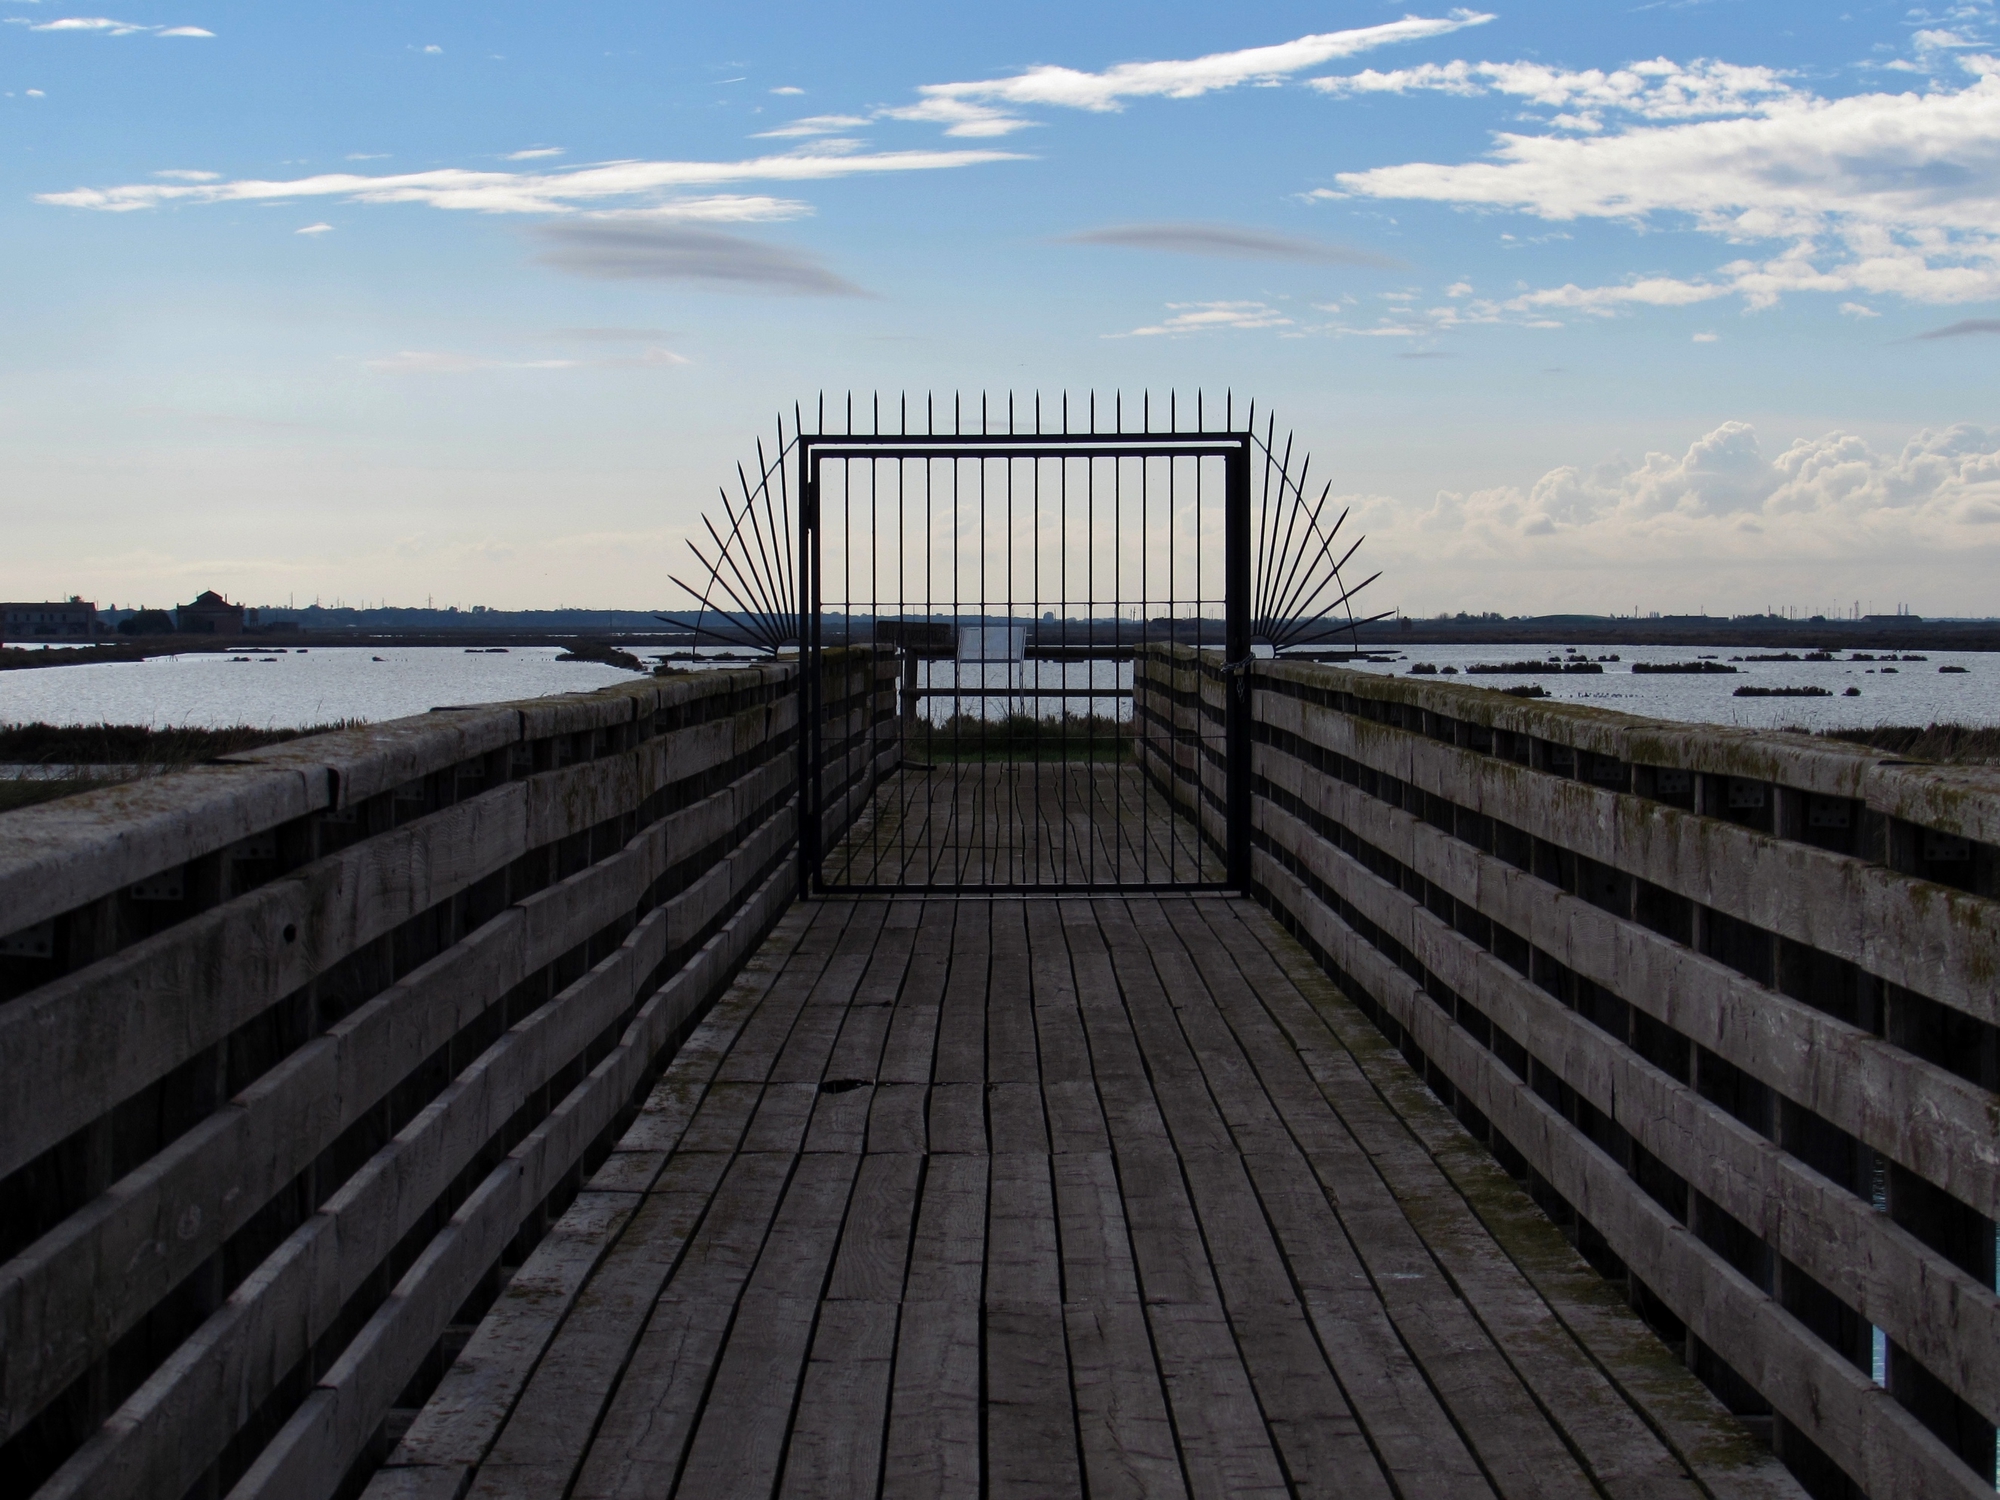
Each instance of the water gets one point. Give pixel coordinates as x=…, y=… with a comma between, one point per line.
x=291, y=688
x=1915, y=693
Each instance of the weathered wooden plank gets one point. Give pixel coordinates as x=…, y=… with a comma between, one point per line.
x=932, y=1446
x=1031, y=1436
x=1560, y=1324
x=1837, y=1406
x=739, y=1440
x=1924, y=1300
x=1225, y=1449
x=835, y=1451
x=1933, y=939
x=1926, y=1118
x=643, y=1435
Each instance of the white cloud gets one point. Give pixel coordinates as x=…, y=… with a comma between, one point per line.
x=651, y=183
x=433, y=49
x=108, y=27
x=314, y=229
x=1707, y=338
x=90, y=23
x=1211, y=317
x=1858, y=310
x=182, y=174
x=533, y=153
x=787, y=89
x=1821, y=518
x=36, y=94
x=1655, y=90
x=1880, y=194
x=814, y=125
x=988, y=108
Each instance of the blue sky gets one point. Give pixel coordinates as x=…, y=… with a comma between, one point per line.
x=1663, y=306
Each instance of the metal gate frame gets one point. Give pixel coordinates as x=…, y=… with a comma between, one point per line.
x=1233, y=447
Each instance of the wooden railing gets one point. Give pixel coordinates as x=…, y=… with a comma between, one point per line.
x=302, y=1052
x=1726, y=1000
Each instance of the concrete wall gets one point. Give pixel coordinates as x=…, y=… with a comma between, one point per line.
x=1725, y=1000
x=303, y=1053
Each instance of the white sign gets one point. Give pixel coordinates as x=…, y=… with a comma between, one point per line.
x=992, y=642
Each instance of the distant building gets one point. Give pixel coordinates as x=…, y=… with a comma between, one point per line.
x=28, y=622
x=210, y=614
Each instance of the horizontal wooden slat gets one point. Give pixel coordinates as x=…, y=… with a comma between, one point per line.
x=1940, y=942
x=76, y=850
x=64, y=1299
x=326, y=1434
x=1960, y=800
x=1924, y=1302
x=163, y=1438
x=1937, y=1124
x=77, y=1046
x=1857, y=1423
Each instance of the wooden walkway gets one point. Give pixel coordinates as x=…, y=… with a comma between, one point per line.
x=1022, y=823
x=1073, y=1196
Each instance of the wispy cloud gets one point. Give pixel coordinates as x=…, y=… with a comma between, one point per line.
x=1229, y=242
x=315, y=229
x=1212, y=317
x=610, y=335
x=106, y=26
x=1884, y=194
x=451, y=362
x=990, y=107
x=645, y=248
x=1964, y=328
x=814, y=125
x=183, y=174
x=534, y=153
x=548, y=192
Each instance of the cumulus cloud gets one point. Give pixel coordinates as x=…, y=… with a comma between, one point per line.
x=1228, y=242
x=1211, y=317
x=990, y=107
x=645, y=248
x=1824, y=515
x=1655, y=90
x=1878, y=194
x=550, y=192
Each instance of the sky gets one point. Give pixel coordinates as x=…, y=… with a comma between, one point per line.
x=1689, y=306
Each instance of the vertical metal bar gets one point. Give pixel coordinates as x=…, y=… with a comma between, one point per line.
x=1236, y=655
x=809, y=650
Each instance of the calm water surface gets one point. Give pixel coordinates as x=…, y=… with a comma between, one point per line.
x=324, y=684
x=292, y=689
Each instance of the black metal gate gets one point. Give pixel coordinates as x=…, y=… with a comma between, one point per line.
x=1036, y=575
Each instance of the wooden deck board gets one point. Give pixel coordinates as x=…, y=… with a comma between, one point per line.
x=1090, y=1194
